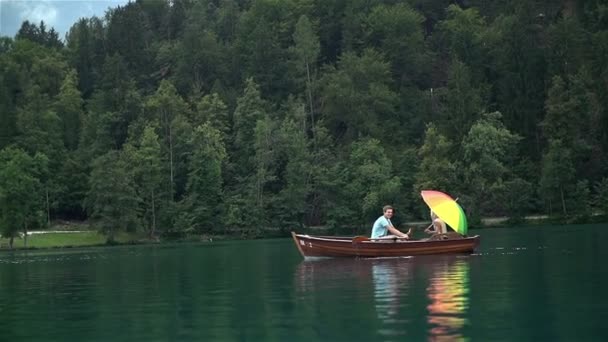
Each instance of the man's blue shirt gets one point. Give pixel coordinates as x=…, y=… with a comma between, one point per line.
x=380, y=227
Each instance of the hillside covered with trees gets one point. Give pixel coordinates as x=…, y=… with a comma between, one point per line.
x=184, y=116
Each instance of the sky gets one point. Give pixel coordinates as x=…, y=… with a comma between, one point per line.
x=59, y=14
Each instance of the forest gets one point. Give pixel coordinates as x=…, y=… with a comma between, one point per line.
x=214, y=116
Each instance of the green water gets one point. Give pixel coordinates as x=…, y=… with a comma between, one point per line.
x=523, y=284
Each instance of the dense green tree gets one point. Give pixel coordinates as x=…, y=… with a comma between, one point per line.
x=40, y=131
x=568, y=41
x=250, y=108
x=113, y=106
x=10, y=87
x=129, y=34
x=436, y=169
x=253, y=159
x=227, y=19
x=202, y=205
x=396, y=31
x=324, y=180
x=265, y=163
x=69, y=108
x=40, y=128
x=86, y=52
x=182, y=131
x=580, y=201
x=591, y=161
x=112, y=201
x=330, y=16
x=156, y=12
x=74, y=179
x=31, y=64
x=39, y=34
x=370, y=181
x=357, y=96
x=515, y=44
x=262, y=46
x=21, y=192
x=517, y=195
x=176, y=17
x=460, y=36
x=489, y=151
x=198, y=53
x=462, y=102
x=6, y=44
x=573, y=116
x=147, y=171
x=599, y=70
x=561, y=113
x=433, y=11
x=295, y=167
x=557, y=175
x=352, y=24
x=305, y=53
x=600, y=199
x=166, y=106
x=211, y=109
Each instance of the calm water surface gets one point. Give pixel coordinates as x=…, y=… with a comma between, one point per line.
x=523, y=284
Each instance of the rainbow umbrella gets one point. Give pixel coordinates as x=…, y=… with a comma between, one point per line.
x=446, y=209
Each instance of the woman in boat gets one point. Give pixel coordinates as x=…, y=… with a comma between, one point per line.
x=383, y=226
x=437, y=224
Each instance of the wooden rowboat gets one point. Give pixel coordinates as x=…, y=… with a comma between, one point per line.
x=341, y=246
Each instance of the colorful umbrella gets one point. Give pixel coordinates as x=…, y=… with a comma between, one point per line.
x=446, y=209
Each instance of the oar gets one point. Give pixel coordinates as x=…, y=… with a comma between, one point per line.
x=358, y=239
x=427, y=228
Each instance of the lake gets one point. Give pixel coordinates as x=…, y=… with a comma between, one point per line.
x=523, y=284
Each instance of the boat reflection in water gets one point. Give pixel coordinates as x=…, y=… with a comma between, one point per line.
x=389, y=297
x=376, y=292
x=448, y=292
x=391, y=294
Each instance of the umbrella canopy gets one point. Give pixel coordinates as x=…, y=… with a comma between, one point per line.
x=446, y=209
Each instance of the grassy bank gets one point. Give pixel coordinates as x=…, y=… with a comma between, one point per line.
x=68, y=239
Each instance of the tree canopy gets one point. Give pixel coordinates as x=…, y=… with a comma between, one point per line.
x=207, y=116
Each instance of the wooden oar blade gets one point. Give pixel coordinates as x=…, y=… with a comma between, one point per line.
x=359, y=239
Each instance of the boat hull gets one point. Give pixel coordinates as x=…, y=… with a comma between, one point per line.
x=332, y=247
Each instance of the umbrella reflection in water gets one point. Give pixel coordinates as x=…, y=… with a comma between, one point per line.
x=448, y=292
x=390, y=287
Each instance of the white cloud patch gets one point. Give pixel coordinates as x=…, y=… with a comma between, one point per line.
x=35, y=11
x=59, y=14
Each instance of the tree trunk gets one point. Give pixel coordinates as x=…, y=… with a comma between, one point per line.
x=312, y=112
x=24, y=235
x=48, y=210
x=561, y=190
x=10, y=242
x=153, y=230
x=171, y=159
x=110, y=237
x=167, y=122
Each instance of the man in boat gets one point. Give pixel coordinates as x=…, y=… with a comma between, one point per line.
x=383, y=227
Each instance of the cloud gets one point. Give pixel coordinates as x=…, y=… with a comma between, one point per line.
x=59, y=14
x=34, y=11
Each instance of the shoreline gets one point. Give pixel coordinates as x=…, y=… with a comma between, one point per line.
x=83, y=238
